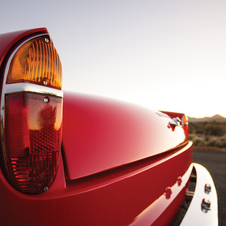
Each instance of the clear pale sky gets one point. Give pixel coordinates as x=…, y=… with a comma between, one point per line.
x=168, y=55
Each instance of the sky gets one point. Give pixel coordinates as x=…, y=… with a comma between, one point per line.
x=161, y=54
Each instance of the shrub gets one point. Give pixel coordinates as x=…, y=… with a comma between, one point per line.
x=208, y=134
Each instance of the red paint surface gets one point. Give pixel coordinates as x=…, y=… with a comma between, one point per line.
x=99, y=134
x=95, y=201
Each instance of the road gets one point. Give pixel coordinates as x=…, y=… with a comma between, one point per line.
x=215, y=162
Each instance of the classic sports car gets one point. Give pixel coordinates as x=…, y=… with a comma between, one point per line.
x=72, y=159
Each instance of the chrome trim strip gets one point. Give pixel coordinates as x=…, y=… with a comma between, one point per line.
x=29, y=87
x=195, y=215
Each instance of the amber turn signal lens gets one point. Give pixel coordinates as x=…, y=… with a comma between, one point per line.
x=184, y=120
x=38, y=62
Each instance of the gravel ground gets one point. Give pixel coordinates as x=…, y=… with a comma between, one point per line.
x=215, y=162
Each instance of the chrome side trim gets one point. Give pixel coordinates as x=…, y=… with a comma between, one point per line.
x=29, y=87
x=196, y=213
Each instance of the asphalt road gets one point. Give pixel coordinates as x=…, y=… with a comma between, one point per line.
x=215, y=162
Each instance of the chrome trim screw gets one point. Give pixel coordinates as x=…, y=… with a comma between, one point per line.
x=207, y=188
x=46, y=100
x=205, y=206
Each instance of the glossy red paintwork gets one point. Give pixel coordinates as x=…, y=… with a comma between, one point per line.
x=164, y=217
x=113, y=198
x=99, y=134
x=117, y=161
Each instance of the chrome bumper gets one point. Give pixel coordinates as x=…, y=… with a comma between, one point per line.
x=203, y=209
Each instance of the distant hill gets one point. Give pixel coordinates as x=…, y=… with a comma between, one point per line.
x=216, y=118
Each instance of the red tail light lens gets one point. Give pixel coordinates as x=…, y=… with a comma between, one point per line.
x=32, y=140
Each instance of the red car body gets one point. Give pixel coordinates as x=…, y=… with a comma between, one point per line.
x=119, y=164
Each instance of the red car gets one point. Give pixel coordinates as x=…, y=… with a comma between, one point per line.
x=71, y=159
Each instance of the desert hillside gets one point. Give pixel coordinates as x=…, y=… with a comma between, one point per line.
x=208, y=131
